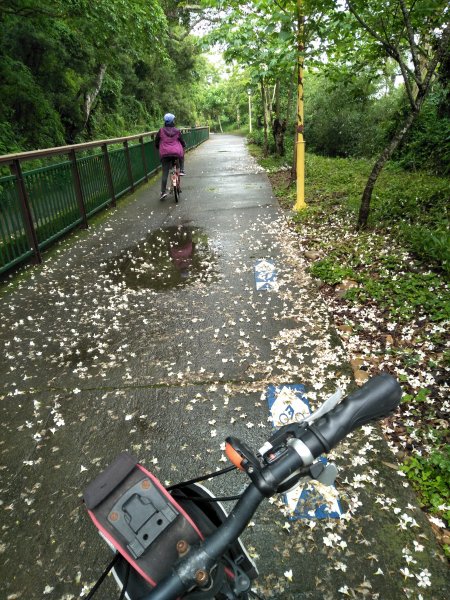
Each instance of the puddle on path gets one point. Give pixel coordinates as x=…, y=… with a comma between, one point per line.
x=166, y=258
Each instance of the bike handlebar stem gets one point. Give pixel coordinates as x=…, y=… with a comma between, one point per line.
x=205, y=556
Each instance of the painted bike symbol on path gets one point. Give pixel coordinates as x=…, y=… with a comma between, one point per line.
x=311, y=500
x=265, y=275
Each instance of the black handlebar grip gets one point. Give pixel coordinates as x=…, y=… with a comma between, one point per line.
x=376, y=399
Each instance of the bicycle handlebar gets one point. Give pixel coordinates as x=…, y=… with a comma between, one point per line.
x=376, y=399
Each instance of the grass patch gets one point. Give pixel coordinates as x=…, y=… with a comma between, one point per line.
x=430, y=476
x=414, y=207
x=405, y=295
x=401, y=268
x=331, y=272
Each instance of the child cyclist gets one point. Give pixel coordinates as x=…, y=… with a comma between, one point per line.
x=170, y=144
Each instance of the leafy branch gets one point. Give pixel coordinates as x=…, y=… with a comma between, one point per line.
x=19, y=9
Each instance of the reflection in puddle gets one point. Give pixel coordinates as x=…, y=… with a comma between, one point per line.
x=167, y=258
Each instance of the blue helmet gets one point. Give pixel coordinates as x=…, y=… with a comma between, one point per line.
x=169, y=118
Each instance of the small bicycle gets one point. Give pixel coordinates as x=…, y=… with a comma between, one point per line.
x=178, y=542
x=175, y=180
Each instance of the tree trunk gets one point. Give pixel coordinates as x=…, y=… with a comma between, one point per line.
x=278, y=131
x=264, y=106
x=278, y=124
x=378, y=166
x=220, y=124
x=270, y=98
x=90, y=97
x=423, y=73
x=277, y=100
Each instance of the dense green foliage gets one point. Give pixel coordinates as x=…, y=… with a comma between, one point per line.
x=371, y=94
x=431, y=478
x=71, y=71
x=77, y=70
x=351, y=116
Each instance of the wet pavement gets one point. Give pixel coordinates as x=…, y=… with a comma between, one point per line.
x=147, y=333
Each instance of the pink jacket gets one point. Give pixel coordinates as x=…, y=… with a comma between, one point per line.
x=169, y=141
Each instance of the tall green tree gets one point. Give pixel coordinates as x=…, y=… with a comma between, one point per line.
x=414, y=34
x=348, y=37
x=260, y=36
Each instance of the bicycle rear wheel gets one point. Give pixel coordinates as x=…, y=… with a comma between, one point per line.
x=175, y=183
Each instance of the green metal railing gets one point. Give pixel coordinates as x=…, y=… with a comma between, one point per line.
x=39, y=206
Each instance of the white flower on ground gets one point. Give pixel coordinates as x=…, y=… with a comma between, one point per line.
x=424, y=578
x=333, y=539
x=406, y=573
x=437, y=521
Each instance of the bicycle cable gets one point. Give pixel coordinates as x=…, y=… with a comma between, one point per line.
x=102, y=577
x=125, y=583
x=202, y=499
x=201, y=478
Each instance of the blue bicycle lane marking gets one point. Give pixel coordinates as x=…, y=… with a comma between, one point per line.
x=265, y=274
x=289, y=403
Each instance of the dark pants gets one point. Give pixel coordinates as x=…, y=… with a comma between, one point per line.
x=166, y=163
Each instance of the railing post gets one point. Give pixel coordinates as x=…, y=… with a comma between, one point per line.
x=144, y=160
x=26, y=211
x=156, y=152
x=130, y=170
x=109, y=176
x=78, y=188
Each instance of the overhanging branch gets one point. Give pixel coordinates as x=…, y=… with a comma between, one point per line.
x=412, y=43
x=391, y=51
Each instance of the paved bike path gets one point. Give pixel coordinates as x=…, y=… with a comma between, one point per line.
x=148, y=333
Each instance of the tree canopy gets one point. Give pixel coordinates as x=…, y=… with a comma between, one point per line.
x=74, y=70
x=366, y=55
x=376, y=72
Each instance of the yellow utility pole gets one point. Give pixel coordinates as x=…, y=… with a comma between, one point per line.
x=300, y=141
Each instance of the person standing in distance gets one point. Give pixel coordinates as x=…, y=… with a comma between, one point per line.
x=170, y=143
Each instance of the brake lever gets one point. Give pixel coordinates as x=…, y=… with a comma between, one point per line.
x=323, y=473
x=327, y=475
x=328, y=405
x=294, y=430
